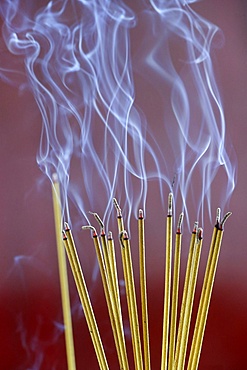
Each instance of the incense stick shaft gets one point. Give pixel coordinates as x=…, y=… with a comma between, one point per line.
x=85, y=300
x=202, y=299
x=167, y=293
x=180, y=360
x=63, y=276
x=131, y=302
x=113, y=267
x=113, y=307
x=200, y=329
x=185, y=290
x=143, y=288
x=176, y=269
x=114, y=318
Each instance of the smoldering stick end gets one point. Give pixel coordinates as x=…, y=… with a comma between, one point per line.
x=199, y=234
x=67, y=227
x=115, y=202
x=118, y=209
x=64, y=235
x=218, y=212
x=224, y=219
x=195, y=227
x=170, y=201
x=54, y=177
x=140, y=214
x=98, y=219
x=109, y=236
x=180, y=221
x=123, y=236
x=90, y=227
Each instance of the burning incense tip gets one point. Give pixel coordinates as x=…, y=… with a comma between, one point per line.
x=180, y=221
x=119, y=211
x=218, y=216
x=98, y=219
x=115, y=202
x=54, y=177
x=64, y=235
x=170, y=197
x=199, y=234
x=223, y=221
x=141, y=214
x=66, y=225
x=90, y=227
x=123, y=235
x=109, y=235
x=195, y=227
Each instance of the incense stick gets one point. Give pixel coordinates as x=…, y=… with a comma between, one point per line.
x=176, y=269
x=167, y=285
x=205, y=282
x=119, y=216
x=113, y=267
x=172, y=356
x=63, y=276
x=131, y=299
x=181, y=354
x=186, y=286
x=126, y=280
x=202, y=318
x=115, y=303
x=143, y=288
x=114, y=318
x=84, y=297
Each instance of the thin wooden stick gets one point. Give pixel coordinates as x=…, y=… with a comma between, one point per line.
x=84, y=297
x=205, y=282
x=114, y=318
x=113, y=267
x=125, y=271
x=176, y=269
x=180, y=360
x=63, y=276
x=131, y=299
x=167, y=285
x=103, y=242
x=143, y=289
x=198, y=335
x=115, y=302
x=119, y=216
x=186, y=286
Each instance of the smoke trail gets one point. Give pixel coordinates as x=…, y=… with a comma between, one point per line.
x=102, y=74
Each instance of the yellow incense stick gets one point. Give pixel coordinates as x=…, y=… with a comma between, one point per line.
x=113, y=267
x=186, y=286
x=119, y=216
x=143, y=289
x=84, y=297
x=180, y=359
x=69, y=342
x=114, y=318
x=168, y=262
x=200, y=329
x=176, y=269
x=126, y=274
x=131, y=299
x=115, y=303
x=205, y=282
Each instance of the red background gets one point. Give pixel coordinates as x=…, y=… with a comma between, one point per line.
x=30, y=305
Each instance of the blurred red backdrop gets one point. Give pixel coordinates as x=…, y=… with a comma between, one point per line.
x=31, y=335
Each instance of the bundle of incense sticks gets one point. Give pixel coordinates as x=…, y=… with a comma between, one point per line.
x=176, y=326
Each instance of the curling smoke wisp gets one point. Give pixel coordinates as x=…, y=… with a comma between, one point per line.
x=127, y=95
